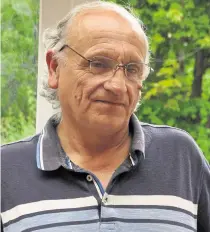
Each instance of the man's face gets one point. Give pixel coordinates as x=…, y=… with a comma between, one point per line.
x=96, y=101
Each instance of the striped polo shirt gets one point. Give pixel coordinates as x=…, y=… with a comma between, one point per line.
x=162, y=186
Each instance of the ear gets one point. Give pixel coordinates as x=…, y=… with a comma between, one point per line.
x=52, y=65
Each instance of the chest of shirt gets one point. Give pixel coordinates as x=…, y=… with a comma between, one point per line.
x=70, y=201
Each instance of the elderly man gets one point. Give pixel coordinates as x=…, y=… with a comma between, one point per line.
x=96, y=167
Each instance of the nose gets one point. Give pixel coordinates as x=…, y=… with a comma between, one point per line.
x=117, y=82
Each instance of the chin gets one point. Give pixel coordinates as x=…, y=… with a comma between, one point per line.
x=109, y=123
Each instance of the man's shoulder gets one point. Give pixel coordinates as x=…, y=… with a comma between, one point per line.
x=157, y=131
x=169, y=137
x=19, y=148
x=172, y=141
x=166, y=132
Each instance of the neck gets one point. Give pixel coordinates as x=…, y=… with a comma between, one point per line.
x=92, y=149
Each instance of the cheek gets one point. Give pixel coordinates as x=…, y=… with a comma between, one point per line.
x=89, y=85
x=68, y=87
x=135, y=101
x=138, y=92
x=76, y=87
x=135, y=95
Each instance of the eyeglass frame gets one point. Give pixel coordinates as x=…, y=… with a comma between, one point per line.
x=90, y=61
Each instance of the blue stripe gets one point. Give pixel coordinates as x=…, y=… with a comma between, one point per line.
x=149, y=227
x=94, y=226
x=149, y=214
x=90, y=226
x=38, y=153
x=46, y=220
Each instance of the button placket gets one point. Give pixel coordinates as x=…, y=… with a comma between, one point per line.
x=105, y=199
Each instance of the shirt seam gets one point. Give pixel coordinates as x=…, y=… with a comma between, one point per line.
x=164, y=127
x=20, y=141
x=201, y=181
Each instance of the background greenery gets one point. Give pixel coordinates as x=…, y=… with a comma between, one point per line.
x=19, y=46
x=177, y=93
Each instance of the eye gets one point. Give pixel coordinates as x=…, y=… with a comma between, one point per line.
x=99, y=64
x=133, y=69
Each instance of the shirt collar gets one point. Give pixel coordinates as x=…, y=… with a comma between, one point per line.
x=49, y=151
x=50, y=155
x=138, y=139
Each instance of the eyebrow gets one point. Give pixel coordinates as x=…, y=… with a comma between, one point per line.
x=112, y=55
x=102, y=52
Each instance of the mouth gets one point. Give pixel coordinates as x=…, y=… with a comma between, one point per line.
x=110, y=102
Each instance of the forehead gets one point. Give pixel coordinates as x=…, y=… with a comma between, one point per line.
x=105, y=27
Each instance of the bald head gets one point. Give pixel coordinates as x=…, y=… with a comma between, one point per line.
x=101, y=22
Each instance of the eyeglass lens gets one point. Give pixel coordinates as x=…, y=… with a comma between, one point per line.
x=106, y=66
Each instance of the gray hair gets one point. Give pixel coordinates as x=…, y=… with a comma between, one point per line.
x=54, y=38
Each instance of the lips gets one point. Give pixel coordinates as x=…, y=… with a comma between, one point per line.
x=110, y=102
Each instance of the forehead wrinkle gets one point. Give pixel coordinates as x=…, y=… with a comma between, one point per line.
x=104, y=44
x=130, y=37
x=101, y=49
x=138, y=44
x=114, y=52
x=121, y=58
x=123, y=51
x=89, y=37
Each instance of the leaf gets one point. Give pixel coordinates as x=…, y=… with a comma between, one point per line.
x=174, y=15
x=204, y=42
x=21, y=7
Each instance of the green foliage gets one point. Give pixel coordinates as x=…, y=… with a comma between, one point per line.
x=19, y=68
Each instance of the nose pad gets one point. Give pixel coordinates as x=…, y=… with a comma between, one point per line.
x=117, y=83
x=118, y=67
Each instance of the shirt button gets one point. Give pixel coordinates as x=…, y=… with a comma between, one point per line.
x=89, y=178
x=105, y=200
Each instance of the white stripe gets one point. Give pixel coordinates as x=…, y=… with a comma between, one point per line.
x=41, y=151
x=97, y=188
x=70, y=165
x=158, y=200
x=132, y=161
x=40, y=206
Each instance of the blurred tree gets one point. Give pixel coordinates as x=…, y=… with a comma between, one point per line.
x=177, y=93
x=19, y=68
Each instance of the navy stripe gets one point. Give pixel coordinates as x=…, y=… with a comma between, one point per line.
x=148, y=221
x=61, y=224
x=49, y=212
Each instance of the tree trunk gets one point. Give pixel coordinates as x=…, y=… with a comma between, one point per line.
x=199, y=70
x=201, y=64
x=208, y=123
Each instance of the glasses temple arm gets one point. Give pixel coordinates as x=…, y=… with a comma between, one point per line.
x=66, y=45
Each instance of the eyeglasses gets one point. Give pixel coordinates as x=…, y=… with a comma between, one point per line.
x=100, y=65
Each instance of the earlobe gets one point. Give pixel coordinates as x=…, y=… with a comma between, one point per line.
x=52, y=65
